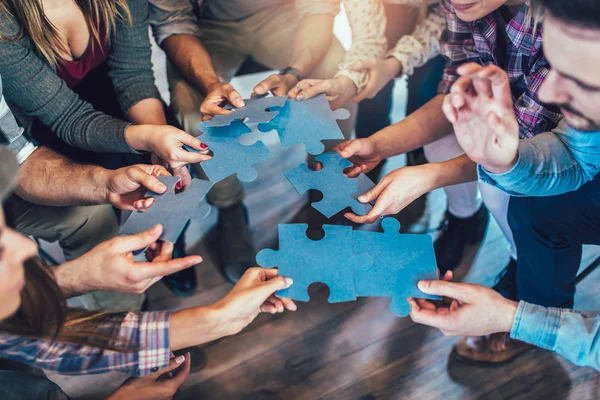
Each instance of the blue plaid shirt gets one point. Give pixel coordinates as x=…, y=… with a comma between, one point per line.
x=147, y=333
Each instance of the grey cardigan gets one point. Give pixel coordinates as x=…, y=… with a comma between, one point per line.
x=33, y=89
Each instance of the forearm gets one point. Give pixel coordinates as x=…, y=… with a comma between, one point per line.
x=452, y=172
x=191, y=59
x=51, y=179
x=148, y=111
x=422, y=127
x=313, y=40
x=195, y=326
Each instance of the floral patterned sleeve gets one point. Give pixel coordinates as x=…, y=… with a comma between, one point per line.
x=423, y=44
x=367, y=20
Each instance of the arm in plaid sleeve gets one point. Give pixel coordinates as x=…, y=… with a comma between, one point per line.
x=457, y=46
x=147, y=333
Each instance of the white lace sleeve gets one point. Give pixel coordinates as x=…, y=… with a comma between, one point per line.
x=423, y=44
x=367, y=20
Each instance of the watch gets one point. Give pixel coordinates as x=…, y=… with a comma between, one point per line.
x=293, y=71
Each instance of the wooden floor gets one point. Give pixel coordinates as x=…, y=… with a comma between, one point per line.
x=356, y=350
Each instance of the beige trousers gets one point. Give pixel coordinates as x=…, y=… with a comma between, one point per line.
x=268, y=37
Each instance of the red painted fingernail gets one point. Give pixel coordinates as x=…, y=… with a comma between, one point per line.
x=203, y=146
x=178, y=185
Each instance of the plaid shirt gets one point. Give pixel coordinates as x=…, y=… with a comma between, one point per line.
x=147, y=333
x=522, y=58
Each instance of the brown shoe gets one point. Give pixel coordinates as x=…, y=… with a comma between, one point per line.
x=491, y=350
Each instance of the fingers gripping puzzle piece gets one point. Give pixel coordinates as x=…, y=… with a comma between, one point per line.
x=308, y=121
x=400, y=261
x=229, y=155
x=339, y=191
x=256, y=110
x=171, y=210
x=329, y=261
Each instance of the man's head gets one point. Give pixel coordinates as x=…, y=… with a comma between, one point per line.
x=471, y=10
x=572, y=46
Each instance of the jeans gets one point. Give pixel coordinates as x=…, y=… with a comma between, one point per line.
x=17, y=385
x=549, y=233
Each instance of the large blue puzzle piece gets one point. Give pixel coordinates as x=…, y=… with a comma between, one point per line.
x=171, y=210
x=308, y=121
x=339, y=191
x=399, y=262
x=229, y=155
x=329, y=260
x=255, y=111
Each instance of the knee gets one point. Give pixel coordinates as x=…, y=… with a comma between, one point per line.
x=85, y=227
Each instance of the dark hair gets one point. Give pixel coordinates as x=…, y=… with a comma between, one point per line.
x=44, y=314
x=585, y=13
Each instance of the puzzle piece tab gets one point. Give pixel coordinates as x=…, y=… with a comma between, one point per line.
x=329, y=261
x=307, y=121
x=255, y=111
x=229, y=155
x=339, y=191
x=171, y=210
x=399, y=262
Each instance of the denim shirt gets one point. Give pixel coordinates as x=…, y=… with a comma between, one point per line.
x=572, y=334
x=550, y=164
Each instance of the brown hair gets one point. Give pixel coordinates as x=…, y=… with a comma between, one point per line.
x=101, y=17
x=43, y=314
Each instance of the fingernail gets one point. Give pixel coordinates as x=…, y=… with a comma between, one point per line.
x=203, y=146
x=239, y=103
x=179, y=359
x=422, y=286
x=300, y=97
x=289, y=282
x=161, y=186
x=178, y=185
x=362, y=199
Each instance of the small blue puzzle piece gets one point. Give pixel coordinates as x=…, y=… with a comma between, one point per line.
x=329, y=261
x=307, y=121
x=400, y=261
x=229, y=155
x=255, y=111
x=339, y=191
x=171, y=210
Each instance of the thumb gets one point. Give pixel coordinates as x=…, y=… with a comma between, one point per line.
x=460, y=291
x=139, y=241
x=374, y=193
x=351, y=148
x=267, y=288
x=174, y=363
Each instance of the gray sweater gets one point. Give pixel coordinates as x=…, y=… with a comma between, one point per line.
x=33, y=89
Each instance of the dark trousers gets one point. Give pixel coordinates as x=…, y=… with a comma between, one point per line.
x=374, y=114
x=549, y=233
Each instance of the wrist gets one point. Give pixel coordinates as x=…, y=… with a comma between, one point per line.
x=137, y=137
x=394, y=66
x=501, y=169
x=68, y=278
x=100, y=177
x=508, y=315
x=349, y=88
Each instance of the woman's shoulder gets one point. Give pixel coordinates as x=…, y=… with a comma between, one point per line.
x=9, y=26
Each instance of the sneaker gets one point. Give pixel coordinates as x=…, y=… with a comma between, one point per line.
x=235, y=242
x=491, y=350
x=457, y=234
x=184, y=282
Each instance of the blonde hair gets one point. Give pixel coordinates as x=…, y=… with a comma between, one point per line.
x=101, y=17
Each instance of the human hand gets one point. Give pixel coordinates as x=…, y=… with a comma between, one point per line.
x=381, y=71
x=338, y=90
x=167, y=142
x=219, y=93
x=111, y=266
x=160, y=385
x=363, y=153
x=125, y=187
x=185, y=178
x=394, y=192
x=481, y=109
x=253, y=294
x=279, y=85
x=467, y=309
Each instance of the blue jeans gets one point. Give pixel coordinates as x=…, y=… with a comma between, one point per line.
x=17, y=385
x=549, y=233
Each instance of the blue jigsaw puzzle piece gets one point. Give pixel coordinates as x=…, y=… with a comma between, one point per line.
x=329, y=261
x=256, y=110
x=307, y=121
x=339, y=191
x=400, y=261
x=229, y=155
x=171, y=210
